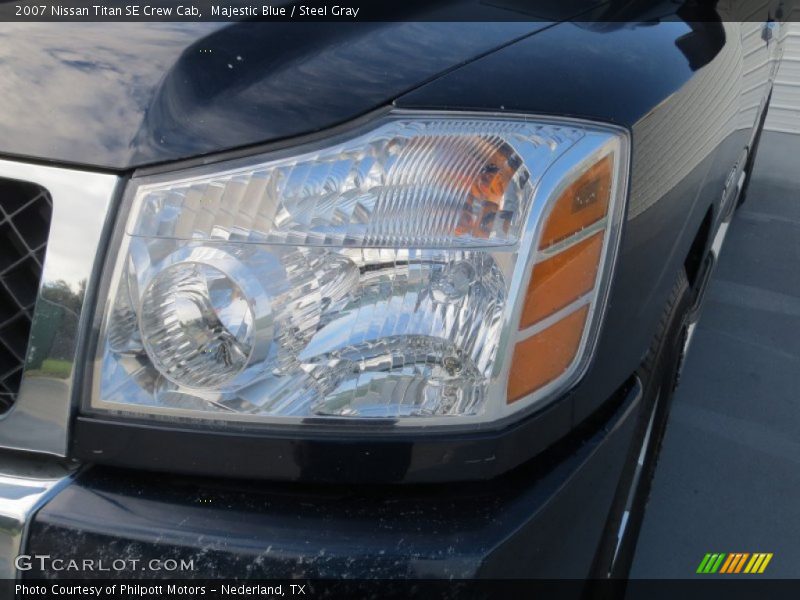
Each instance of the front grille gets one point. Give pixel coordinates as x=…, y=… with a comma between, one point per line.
x=25, y=212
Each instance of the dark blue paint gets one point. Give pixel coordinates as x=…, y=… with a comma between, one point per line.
x=121, y=95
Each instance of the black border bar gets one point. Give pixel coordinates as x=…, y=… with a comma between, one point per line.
x=349, y=11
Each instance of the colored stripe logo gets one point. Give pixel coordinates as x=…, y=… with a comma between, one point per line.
x=735, y=562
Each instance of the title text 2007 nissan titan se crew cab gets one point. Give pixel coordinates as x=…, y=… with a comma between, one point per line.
x=400, y=299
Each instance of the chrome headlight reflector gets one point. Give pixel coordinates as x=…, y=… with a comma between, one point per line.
x=432, y=269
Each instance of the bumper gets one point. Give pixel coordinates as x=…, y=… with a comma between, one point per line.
x=25, y=485
x=545, y=519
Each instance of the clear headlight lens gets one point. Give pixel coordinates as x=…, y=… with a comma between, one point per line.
x=431, y=267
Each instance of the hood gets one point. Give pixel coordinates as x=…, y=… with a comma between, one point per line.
x=122, y=95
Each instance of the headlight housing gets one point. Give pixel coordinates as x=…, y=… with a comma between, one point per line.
x=431, y=269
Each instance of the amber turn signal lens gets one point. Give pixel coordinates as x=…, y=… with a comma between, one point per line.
x=566, y=270
x=583, y=203
x=546, y=355
x=562, y=279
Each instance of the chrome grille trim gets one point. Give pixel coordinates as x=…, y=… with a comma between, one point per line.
x=81, y=202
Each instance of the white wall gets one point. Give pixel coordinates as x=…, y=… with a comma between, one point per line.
x=784, y=110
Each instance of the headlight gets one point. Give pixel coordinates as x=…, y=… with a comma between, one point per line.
x=435, y=269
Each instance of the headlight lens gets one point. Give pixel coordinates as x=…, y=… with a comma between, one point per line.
x=435, y=269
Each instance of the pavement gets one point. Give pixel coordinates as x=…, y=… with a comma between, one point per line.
x=728, y=475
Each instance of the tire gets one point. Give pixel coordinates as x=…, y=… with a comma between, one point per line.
x=659, y=373
x=674, y=320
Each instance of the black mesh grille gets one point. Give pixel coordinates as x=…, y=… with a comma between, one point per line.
x=25, y=211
